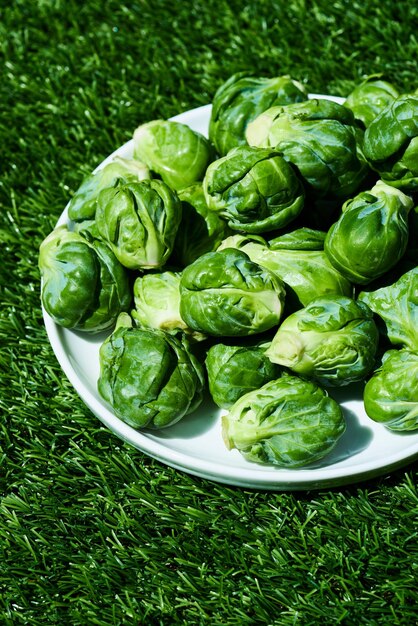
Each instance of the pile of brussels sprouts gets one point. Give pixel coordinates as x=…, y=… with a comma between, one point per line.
x=263, y=264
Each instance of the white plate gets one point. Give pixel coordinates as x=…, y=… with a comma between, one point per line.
x=195, y=444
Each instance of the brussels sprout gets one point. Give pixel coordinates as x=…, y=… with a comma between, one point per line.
x=84, y=286
x=371, y=234
x=140, y=222
x=306, y=273
x=82, y=205
x=397, y=306
x=391, y=394
x=200, y=230
x=332, y=340
x=369, y=99
x=149, y=377
x=254, y=189
x=391, y=143
x=177, y=153
x=236, y=370
x=321, y=138
x=241, y=99
x=223, y=293
x=288, y=422
x=157, y=303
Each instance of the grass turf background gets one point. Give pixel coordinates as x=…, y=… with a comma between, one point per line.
x=91, y=530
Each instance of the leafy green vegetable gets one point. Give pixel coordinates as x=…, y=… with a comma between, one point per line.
x=369, y=98
x=84, y=286
x=191, y=224
x=140, y=222
x=333, y=340
x=321, y=138
x=371, y=235
x=396, y=305
x=299, y=239
x=82, y=205
x=149, y=377
x=177, y=153
x=255, y=190
x=391, y=395
x=306, y=273
x=223, y=293
x=236, y=370
x=289, y=422
x=157, y=303
x=241, y=99
x=391, y=143
x=200, y=229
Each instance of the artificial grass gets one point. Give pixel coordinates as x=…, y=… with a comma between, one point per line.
x=91, y=530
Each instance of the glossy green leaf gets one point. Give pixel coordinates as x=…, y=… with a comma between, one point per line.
x=255, y=190
x=223, y=293
x=306, y=273
x=83, y=284
x=391, y=143
x=333, y=340
x=321, y=139
x=140, y=222
x=200, y=230
x=289, y=422
x=391, y=395
x=82, y=205
x=241, y=99
x=396, y=305
x=369, y=98
x=157, y=303
x=371, y=235
x=236, y=370
x=174, y=151
x=149, y=377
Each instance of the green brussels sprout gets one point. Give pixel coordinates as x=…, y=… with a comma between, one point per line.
x=254, y=189
x=371, y=235
x=241, y=99
x=174, y=151
x=236, y=370
x=84, y=287
x=391, y=394
x=157, y=303
x=320, y=138
x=140, y=222
x=149, y=377
x=391, y=143
x=306, y=273
x=333, y=340
x=289, y=422
x=396, y=305
x=82, y=205
x=223, y=293
x=200, y=229
x=369, y=98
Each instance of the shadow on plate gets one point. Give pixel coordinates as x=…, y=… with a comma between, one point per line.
x=356, y=438
x=194, y=425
